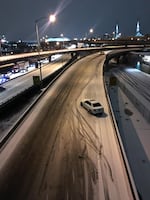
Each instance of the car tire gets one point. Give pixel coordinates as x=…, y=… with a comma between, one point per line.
x=90, y=111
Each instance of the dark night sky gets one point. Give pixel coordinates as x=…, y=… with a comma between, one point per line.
x=74, y=17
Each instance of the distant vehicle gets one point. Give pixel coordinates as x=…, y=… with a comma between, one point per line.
x=4, y=78
x=21, y=66
x=15, y=69
x=92, y=106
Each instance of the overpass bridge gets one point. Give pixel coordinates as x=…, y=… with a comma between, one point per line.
x=4, y=60
x=94, y=45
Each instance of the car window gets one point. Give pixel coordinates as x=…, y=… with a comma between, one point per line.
x=87, y=102
x=96, y=104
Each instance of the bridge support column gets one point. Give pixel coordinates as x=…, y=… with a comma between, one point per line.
x=49, y=59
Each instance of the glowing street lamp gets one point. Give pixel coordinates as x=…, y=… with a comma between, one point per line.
x=52, y=19
x=91, y=30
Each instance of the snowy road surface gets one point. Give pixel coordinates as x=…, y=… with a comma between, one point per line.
x=61, y=151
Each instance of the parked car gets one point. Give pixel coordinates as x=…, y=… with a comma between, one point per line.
x=4, y=78
x=92, y=106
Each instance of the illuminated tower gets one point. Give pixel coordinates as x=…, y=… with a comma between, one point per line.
x=117, y=34
x=138, y=34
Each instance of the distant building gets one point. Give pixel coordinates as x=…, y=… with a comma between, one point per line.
x=138, y=34
x=55, y=43
x=117, y=31
x=116, y=34
x=57, y=39
x=106, y=36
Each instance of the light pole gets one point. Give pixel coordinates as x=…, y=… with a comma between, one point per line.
x=0, y=48
x=62, y=35
x=52, y=19
x=90, y=32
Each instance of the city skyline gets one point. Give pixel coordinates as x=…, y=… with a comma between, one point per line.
x=73, y=18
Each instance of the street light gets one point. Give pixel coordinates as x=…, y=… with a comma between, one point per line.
x=52, y=19
x=0, y=48
x=62, y=35
x=91, y=30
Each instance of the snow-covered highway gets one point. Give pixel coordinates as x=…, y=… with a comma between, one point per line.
x=60, y=151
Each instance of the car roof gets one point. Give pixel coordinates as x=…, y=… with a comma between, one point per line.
x=92, y=100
